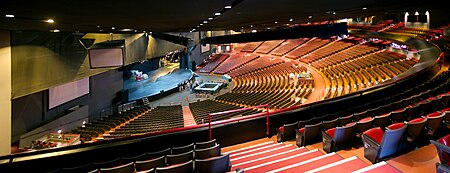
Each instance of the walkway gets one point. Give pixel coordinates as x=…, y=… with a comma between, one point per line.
x=188, y=117
x=319, y=86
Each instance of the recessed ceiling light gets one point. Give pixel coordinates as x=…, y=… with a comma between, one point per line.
x=364, y=8
x=310, y=17
x=217, y=14
x=126, y=30
x=10, y=15
x=55, y=30
x=276, y=22
x=198, y=26
x=135, y=30
x=113, y=27
x=417, y=13
x=228, y=6
x=101, y=30
x=290, y=20
x=251, y=26
x=201, y=24
x=50, y=21
x=205, y=21
x=210, y=18
x=334, y=12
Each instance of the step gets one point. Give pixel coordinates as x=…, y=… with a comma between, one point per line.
x=379, y=167
x=309, y=164
x=268, y=158
x=255, y=150
x=343, y=166
x=263, y=153
x=250, y=147
x=275, y=164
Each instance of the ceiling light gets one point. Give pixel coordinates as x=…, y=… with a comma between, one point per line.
x=113, y=27
x=98, y=26
x=228, y=6
x=217, y=14
x=198, y=26
x=101, y=30
x=276, y=22
x=364, y=8
x=210, y=18
x=59, y=131
x=201, y=24
x=205, y=21
x=290, y=20
x=334, y=12
x=50, y=21
x=9, y=15
x=309, y=17
x=126, y=30
x=135, y=30
x=253, y=31
x=55, y=30
x=251, y=26
x=417, y=13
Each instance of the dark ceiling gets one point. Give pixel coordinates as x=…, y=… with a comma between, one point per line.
x=185, y=15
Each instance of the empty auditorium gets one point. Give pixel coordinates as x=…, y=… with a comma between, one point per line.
x=225, y=86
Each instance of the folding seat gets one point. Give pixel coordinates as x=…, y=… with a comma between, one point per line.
x=150, y=164
x=443, y=149
x=208, y=152
x=286, y=132
x=359, y=115
x=440, y=168
x=398, y=115
x=434, y=123
x=382, y=121
x=373, y=112
x=127, y=168
x=187, y=167
x=329, y=124
x=363, y=125
x=207, y=144
x=379, y=144
x=415, y=128
x=309, y=134
x=412, y=112
x=385, y=108
x=345, y=120
x=183, y=149
x=218, y=164
x=179, y=158
x=338, y=138
x=106, y=164
x=142, y=156
x=77, y=169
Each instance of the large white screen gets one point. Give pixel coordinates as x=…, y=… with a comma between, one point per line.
x=106, y=57
x=66, y=92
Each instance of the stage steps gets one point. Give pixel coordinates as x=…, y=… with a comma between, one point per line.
x=274, y=157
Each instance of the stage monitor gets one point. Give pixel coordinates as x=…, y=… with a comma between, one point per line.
x=107, y=54
x=64, y=93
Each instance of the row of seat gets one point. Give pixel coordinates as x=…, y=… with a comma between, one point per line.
x=214, y=62
x=343, y=56
x=260, y=63
x=201, y=109
x=288, y=46
x=307, y=47
x=329, y=49
x=268, y=46
x=250, y=47
x=235, y=61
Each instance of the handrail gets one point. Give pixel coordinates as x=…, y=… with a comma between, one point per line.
x=238, y=110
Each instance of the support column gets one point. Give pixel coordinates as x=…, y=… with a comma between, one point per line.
x=5, y=92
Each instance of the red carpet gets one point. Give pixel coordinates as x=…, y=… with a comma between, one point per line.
x=264, y=153
x=267, y=158
x=271, y=165
x=255, y=150
x=310, y=164
x=347, y=165
x=379, y=167
x=250, y=147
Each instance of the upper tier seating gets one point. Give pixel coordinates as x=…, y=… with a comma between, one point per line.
x=259, y=63
x=251, y=47
x=201, y=109
x=235, y=61
x=268, y=46
x=327, y=50
x=288, y=46
x=218, y=58
x=307, y=47
x=159, y=119
x=369, y=27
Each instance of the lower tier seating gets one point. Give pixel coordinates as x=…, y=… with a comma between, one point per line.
x=201, y=109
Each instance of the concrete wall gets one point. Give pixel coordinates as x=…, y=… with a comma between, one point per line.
x=5, y=92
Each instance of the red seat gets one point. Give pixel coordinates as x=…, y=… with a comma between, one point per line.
x=379, y=145
x=395, y=126
x=338, y=138
x=415, y=128
x=443, y=149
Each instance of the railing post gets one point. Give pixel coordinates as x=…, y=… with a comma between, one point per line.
x=267, y=119
x=210, y=131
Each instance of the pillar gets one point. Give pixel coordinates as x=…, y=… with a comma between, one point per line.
x=5, y=92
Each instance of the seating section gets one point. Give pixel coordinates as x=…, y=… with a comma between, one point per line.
x=272, y=85
x=268, y=46
x=276, y=157
x=259, y=63
x=288, y=46
x=91, y=130
x=214, y=62
x=235, y=61
x=209, y=159
x=415, y=32
x=201, y=109
x=370, y=27
x=307, y=47
x=159, y=119
x=327, y=50
x=251, y=47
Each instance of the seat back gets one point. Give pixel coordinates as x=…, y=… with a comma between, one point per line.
x=345, y=120
x=415, y=128
x=382, y=121
x=182, y=149
x=435, y=120
x=391, y=140
x=187, y=167
x=364, y=124
x=179, y=158
x=289, y=131
x=329, y=124
x=360, y=115
x=443, y=149
x=157, y=154
x=313, y=134
x=207, y=144
x=127, y=168
x=77, y=169
x=343, y=136
x=218, y=164
x=150, y=164
x=373, y=112
x=397, y=116
x=106, y=164
x=142, y=156
x=208, y=152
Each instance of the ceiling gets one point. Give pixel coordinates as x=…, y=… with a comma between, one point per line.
x=186, y=15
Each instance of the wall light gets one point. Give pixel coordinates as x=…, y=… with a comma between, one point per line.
x=10, y=15
x=50, y=21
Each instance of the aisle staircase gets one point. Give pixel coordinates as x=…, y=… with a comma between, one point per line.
x=274, y=157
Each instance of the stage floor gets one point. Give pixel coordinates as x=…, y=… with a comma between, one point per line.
x=164, y=78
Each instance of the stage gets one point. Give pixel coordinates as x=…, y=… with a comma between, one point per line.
x=160, y=82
